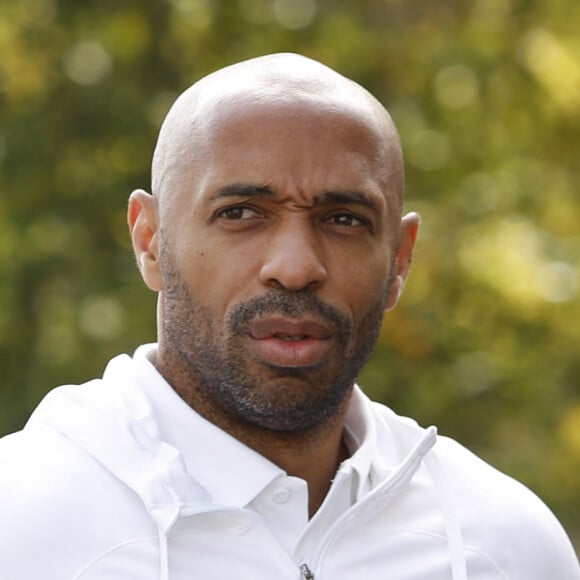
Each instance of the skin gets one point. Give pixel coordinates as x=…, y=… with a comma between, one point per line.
x=275, y=241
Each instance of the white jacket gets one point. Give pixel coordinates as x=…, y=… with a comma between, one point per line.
x=89, y=491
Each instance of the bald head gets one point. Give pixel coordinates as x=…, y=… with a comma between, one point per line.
x=268, y=82
x=275, y=241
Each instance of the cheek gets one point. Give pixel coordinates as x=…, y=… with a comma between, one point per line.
x=364, y=280
x=218, y=278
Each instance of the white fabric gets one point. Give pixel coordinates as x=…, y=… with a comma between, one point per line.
x=216, y=460
x=119, y=479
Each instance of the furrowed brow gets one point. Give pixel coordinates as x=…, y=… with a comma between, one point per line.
x=348, y=198
x=243, y=190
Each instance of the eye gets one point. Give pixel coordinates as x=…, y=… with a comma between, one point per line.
x=237, y=213
x=346, y=219
x=349, y=220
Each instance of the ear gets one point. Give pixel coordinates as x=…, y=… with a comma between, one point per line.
x=402, y=265
x=142, y=217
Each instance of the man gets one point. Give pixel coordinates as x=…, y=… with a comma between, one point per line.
x=238, y=445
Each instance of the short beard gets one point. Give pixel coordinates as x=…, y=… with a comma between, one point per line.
x=226, y=384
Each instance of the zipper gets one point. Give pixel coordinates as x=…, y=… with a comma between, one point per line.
x=406, y=470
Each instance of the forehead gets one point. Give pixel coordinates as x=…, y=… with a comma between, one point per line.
x=293, y=116
x=307, y=141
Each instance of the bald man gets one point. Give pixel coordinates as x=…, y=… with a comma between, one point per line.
x=239, y=446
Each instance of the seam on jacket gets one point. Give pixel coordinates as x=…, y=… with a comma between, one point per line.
x=106, y=553
x=468, y=548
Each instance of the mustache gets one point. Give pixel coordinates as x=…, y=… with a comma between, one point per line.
x=292, y=305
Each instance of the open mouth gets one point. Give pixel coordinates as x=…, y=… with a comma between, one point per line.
x=284, y=342
x=291, y=337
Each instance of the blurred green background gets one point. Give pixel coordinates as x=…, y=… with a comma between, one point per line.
x=486, y=94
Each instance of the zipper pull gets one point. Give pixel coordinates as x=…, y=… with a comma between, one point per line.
x=305, y=573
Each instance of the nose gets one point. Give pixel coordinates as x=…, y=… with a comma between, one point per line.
x=293, y=259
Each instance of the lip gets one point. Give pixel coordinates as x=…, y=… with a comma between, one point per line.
x=312, y=342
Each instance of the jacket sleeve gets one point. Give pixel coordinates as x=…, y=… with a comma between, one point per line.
x=504, y=522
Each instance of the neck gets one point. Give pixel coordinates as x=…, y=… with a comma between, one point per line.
x=314, y=455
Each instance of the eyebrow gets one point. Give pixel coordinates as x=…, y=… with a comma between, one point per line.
x=348, y=197
x=243, y=190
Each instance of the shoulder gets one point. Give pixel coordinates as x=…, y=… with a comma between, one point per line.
x=503, y=520
x=59, y=506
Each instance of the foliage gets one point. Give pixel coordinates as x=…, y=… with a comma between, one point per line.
x=486, y=94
